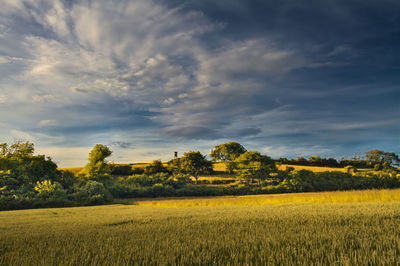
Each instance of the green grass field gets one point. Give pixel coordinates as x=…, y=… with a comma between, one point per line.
x=356, y=227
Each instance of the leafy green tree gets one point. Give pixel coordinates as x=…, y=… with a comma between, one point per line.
x=155, y=167
x=227, y=153
x=97, y=164
x=24, y=167
x=252, y=165
x=194, y=163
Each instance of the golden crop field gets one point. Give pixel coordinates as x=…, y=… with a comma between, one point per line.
x=345, y=228
x=220, y=167
x=385, y=195
x=74, y=170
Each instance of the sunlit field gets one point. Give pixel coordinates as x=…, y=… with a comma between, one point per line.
x=382, y=196
x=342, y=228
x=220, y=167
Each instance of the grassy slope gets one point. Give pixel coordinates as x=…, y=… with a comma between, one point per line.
x=295, y=233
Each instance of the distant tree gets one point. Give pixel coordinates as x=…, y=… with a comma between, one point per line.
x=194, y=164
x=252, y=165
x=301, y=161
x=379, y=157
x=315, y=160
x=331, y=162
x=97, y=164
x=155, y=167
x=227, y=153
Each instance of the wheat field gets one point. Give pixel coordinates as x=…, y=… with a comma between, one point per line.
x=360, y=230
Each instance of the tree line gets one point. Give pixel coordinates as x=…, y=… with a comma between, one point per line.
x=376, y=159
x=32, y=181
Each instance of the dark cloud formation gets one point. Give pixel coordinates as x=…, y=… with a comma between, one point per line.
x=288, y=78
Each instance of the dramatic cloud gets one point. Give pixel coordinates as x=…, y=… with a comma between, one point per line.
x=160, y=75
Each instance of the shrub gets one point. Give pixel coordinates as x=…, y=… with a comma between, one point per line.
x=121, y=169
x=47, y=190
x=350, y=169
x=137, y=171
x=155, y=167
x=92, y=192
x=68, y=179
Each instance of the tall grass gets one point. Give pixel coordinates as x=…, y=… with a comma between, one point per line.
x=297, y=233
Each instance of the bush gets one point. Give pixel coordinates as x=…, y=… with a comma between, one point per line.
x=155, y=167
x=68, y=179
x=137, y=171
x=46, y=190
x=92, y=192
x=121, y=169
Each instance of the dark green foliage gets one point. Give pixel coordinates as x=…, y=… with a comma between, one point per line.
x=155, y=167
x=174, y=166
x=137, y=171
x=121, y=169
x=67, y=179
x=92, y=193
x=304, y=180
x=369, y=160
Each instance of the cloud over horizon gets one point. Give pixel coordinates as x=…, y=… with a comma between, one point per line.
x=164, y=75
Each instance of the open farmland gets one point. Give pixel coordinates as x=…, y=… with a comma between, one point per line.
x=362, y=228
x=220, y=167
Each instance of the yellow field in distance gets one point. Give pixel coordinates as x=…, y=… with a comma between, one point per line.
x=220, y=167
x=356, y=196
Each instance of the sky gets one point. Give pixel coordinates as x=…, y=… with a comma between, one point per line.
x=150, y=77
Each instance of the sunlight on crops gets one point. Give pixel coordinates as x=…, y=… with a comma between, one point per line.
x=254, y=200
x=288, y=234
x=220, y=167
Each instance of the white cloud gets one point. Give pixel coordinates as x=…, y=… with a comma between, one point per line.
x=43, y=98
x=46, y=123
x=21, y=135
x=3, y=98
